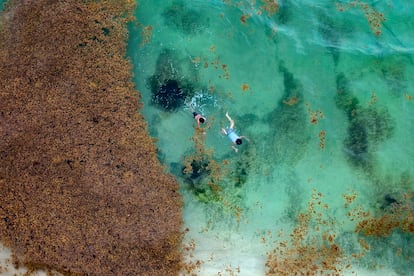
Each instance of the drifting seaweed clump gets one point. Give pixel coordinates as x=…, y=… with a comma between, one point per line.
x=398, y=216
x=81, y=189
x=311, y=248
x=385, y=232
x=375, y=18
x=270, y=6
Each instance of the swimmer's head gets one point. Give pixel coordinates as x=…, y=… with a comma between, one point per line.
x=238, y=141
x=201, y=120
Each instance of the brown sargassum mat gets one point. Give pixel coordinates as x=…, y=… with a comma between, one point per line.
x=81, y=189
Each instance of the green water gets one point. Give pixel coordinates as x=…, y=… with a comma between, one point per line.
x=2, y=4
x=325, y=103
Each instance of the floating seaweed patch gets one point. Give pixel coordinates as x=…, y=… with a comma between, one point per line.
x=399, y=215
x=349, y=198
x=322, y=139
x=226, y=73
x=315, y=116
x=146, y=35
x=390, y=226
x=190, y=265
x=311, y=247
x=245, y=87
x=291, y=101
x=217, y=64
x=375, y=18
x=270, y=6
x=92, y=197
x=244, y=18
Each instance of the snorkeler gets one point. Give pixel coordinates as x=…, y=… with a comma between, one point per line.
x=199, y=119
x=235, y=139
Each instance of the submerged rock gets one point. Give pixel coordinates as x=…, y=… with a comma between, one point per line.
x=199, y=168
x=168, y=85
x=198, y=175
x=169, y=95
x=389, y=200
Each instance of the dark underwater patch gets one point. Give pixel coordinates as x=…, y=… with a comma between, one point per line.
x=344, y=99
x=393, y=71
x=330, y=33
x=333, y=29
x=289, y=122
x=188, y=21
x=284, y=13
x=168, y=95
x=168, y=85
x=367, y=126
x=356, y=143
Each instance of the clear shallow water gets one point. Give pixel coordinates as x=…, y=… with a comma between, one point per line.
x=327, y=106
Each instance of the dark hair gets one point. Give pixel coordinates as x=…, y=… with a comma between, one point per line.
x=238, y=141
x=201, y=120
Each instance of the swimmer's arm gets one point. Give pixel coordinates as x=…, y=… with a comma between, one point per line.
x=230, y=120
x=233, y=147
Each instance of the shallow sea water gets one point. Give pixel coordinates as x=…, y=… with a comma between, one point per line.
x=323, y=91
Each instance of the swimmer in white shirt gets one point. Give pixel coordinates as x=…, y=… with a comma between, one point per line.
x=233, y=136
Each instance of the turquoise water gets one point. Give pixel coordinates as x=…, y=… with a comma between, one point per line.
x=325, y=100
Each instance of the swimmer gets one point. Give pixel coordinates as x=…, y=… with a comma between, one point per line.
x=199, y=119
x=233, y=136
